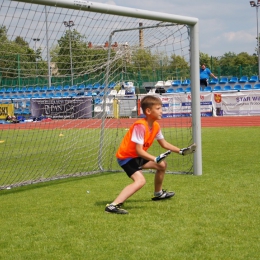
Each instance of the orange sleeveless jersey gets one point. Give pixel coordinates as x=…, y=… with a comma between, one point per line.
x=127, y=147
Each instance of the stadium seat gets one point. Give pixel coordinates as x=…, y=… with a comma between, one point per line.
x=66, y=94
x=35, y=95
x=8, y=90
x=188, y=90
x=223, y=80
x=2, y=90
x=15, y=90
x=237, y=87
x=176, y=83
x=207, y=89
x=51, y=89
x=180, y=90
x=22, y=90
x=227, y=88
x=43, y=95
x=29, y=90
x=213, y=81
x=96, y=86
x=185, y=83
x=256, y=86
x=66, y=88
x=243, y=79
x=44, y=89
x=253, y=79
x=112, y=85
x=89, y=87
x=217, y=88
x=58, y=88
x=57, y=95
x=233, y=80
x=37, y=89
x=170, y=91
x=247, y=87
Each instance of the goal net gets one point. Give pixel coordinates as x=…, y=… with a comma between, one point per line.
x=73, y=77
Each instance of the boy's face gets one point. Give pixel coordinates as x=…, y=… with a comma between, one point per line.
x=155, y=112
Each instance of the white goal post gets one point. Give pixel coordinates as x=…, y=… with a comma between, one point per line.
x=75, y=60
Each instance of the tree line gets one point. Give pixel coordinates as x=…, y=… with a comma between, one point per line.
x=17, y=57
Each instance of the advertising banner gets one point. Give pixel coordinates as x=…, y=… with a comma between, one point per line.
x=179, y=105
x=5, y=110
x=244, y=103
x=62, y=108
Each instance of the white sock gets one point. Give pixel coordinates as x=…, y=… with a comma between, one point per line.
x=158, y=193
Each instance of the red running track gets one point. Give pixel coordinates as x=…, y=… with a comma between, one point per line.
x=241, y=121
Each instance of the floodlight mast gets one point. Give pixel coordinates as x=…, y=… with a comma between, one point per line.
x=256, y=5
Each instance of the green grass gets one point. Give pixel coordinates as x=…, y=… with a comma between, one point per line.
x=213, y=216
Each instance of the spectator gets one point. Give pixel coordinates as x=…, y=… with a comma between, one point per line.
x=12, y=119
x=205, y=73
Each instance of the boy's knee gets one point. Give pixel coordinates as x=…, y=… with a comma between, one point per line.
x=163, y=165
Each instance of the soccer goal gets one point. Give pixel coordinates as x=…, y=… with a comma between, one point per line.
x=73, y=74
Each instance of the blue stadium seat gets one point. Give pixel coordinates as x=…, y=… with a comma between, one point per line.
x=58, y=88
x=176, y=83
x=35, y=95
x=207, y=89
x=237, y=87
x=43, y=95
x=111, y=85
x=51, y=89
x=2, y=90
x=227, y=88
x=66, y=88
x=29, y=89
x=185, y=83
x=217, y=88
x=223, y=80
x=170, y=90
x=247, y=87
x=179, y=90
x=243, y=79
x=22, y=90
x=213, y=81
x=256, y=86
x=37, y=89
x=44, y=89
x=66, y=94
x=188, y=90
x=89, y=87
x=253, y=79
x=233, y=80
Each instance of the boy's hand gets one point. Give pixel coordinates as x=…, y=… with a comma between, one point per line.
x=162, y=156
x=189, y=150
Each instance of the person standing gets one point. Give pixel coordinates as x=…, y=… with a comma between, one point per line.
x=133, y=157
x=205, y=73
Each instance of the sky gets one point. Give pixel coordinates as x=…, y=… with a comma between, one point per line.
x=224, y=25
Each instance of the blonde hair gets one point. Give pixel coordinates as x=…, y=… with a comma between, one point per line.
x=149, y=102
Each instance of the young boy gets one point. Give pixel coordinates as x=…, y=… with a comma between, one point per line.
x=132, y=154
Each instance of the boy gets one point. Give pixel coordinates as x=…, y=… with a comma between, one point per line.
x=132, y=154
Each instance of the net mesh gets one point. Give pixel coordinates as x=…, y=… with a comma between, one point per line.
x=73, y=104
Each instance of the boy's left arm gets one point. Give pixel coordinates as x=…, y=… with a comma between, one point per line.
x=184, y=151
x=166, y=145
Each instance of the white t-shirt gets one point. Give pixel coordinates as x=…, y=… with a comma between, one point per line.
x=139, y=133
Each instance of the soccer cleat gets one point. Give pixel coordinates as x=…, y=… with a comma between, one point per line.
x=110, y=208
x=164, y=195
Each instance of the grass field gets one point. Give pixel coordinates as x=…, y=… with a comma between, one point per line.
x=213, y=216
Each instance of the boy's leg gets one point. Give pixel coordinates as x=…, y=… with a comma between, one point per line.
x=159, y=193
x=138, y=182
x=159, y=175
